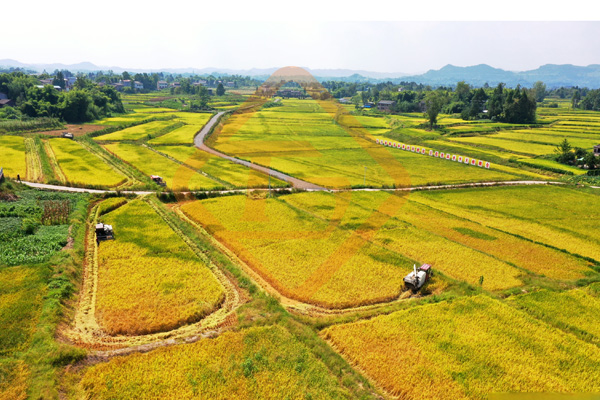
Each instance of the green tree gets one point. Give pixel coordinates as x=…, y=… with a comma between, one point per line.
x=220, y=89
x=496, y=102
x=539, y=91
x=575, y=99
x=463, y=92
x=565, y=154
x=434, y=101
x=203, y=96
x=59, y=80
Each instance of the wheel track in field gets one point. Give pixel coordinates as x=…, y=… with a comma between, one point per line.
x=86, y=331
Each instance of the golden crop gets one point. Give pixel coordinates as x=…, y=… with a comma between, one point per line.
x=257, y=363
x=82, y=167
x=13, y=161
x=467, y=348
x=148, y=279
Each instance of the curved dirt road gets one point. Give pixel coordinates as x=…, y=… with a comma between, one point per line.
x=199, y=142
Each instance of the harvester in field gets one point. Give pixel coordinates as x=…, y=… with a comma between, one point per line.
x=158, y=180
x=417, y=278
x=104, y=232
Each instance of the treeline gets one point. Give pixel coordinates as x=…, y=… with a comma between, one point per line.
x=85, y=102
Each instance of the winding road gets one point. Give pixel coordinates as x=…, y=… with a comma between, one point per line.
x=295, y=182
x=199, y=142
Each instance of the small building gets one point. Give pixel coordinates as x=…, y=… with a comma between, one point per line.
x=3, y=96
x=368, y=105
x=160, y=85
x=344, y=100
x=385, y=105
x=230, y=84
x=175, y=84
x=46, y=81
x=138, y=85
x=118, y=86
x=597, y=150
x=67, y=135
x=7, y=103
x=126, y=83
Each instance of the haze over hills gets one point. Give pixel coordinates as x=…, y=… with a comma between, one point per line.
x=551, y=74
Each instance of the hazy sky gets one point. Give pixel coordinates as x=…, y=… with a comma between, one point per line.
x=137, y=34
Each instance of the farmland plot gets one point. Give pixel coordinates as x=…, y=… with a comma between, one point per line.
x=467, y=348
x=176, y=176
x=560, y=217
x=82, y=167
x=224, y=170
x=256, y=363
x=147, y=130
x=13, y=161
x=148, y=279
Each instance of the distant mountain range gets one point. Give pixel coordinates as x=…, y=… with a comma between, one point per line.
x=551, y=74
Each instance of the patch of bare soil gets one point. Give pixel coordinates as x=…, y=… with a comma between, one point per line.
x=76, y=130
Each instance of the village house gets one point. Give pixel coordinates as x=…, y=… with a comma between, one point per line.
x=160, y=85
x=597, y=150
x=7, y=103
x=138, y=85
x=385, y=105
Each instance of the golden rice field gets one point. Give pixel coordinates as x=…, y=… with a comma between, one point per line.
x=302, y=139
x=302, y=256
x=467, y=348
x=182, y=135
x=574, y=311
x=143, y=131
x=312, y=246
x=564, y=218
x=148, y=278
x=234, y=174
x=82, y=167
x=256, y=363
x=176, y=176
x=13, y=156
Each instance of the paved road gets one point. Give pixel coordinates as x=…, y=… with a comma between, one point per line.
x=79, y=190
x=295, y=182
x=408, y=189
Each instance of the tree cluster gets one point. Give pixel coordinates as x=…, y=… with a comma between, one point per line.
x=85, y=102
x=576, y=156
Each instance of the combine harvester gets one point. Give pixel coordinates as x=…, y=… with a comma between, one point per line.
x=104, y=232
x=416, y=279
x=158, y=180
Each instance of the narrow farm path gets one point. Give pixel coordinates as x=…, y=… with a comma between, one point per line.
x=199, y=142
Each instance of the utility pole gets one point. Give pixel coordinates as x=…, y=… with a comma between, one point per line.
x=365, y=179
x=269, y=184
